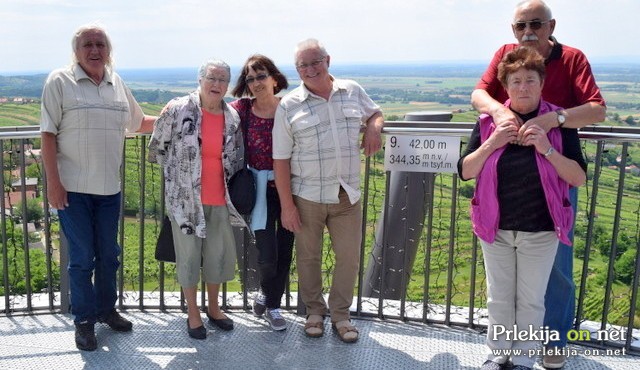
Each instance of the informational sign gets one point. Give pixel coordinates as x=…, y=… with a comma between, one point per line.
x=413, y=153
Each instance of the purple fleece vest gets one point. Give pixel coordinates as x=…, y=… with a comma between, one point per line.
x=485, y=212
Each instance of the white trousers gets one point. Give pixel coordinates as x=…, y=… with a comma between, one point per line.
x=517, y=265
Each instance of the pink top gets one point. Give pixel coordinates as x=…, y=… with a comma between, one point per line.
x=212, y=178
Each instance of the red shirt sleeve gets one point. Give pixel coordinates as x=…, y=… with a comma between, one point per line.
x=585, y=88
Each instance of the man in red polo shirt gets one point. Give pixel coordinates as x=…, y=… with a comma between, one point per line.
x=569, y=83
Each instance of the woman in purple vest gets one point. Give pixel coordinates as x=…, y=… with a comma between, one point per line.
x=520, y=208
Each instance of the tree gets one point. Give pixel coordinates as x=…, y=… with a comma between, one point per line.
x=35, y=212
x=625, y=266
x=630, y=121
x=392, y=117
x=16, y=265
x=33, y=171
x=466, y=191
x=616, y=117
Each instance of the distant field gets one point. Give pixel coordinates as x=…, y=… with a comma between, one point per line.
x=400, y=109
x=397, y=94
x=19, y=114
x=417, y=83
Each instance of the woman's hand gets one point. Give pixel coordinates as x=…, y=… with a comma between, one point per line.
x=546, y=122
x=568, y=169
x=536, y=136
x=505, y=133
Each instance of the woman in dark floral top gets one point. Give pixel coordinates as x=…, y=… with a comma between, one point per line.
x=259, y=82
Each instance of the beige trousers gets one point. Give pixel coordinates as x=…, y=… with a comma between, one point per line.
x=344, y=222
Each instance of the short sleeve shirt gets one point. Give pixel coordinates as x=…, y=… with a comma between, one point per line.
x=89, y=122
x=257, y=135
x=321, y=139
x=569, y=81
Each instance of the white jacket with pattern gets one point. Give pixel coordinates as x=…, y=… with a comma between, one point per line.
x=175, y=145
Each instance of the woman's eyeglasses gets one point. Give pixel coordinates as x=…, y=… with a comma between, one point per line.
x=534, y=25
x=250, y=80
x=213, y=79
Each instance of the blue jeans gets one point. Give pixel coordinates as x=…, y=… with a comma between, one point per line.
x=90, y=223
x=560, y=299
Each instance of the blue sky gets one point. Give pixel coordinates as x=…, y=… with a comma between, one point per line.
x=36, y=34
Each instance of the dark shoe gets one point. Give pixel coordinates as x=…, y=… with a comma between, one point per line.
x=198, y=333
x=259, y=304
x=116, y=322
x=491, y=365
x=275, y=319
x=86, y=337
x=224, y=324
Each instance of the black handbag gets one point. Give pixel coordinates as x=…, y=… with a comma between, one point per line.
x=242, y=190
x=165, y=250
x=242, y=185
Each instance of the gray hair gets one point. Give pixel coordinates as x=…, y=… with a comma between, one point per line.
x=522, y=4
x=202, y=72
x=75, y=41
x=309, y=44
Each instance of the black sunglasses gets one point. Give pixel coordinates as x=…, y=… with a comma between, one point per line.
x=534, y=25
x=250, y=80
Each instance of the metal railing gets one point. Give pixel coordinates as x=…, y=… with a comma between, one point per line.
x=443, y=283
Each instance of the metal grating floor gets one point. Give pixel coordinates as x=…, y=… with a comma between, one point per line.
x=159, y=341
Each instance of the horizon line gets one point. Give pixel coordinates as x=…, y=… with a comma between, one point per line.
x=594, y=61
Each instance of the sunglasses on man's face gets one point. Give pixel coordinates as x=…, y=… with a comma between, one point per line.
x=534, y=25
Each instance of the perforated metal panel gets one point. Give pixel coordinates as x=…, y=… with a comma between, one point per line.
x=159, y=341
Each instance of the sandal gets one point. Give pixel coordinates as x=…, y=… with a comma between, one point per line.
x=314, y=328
x=346, y=332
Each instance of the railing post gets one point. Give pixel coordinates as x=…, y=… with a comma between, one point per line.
x=409, y=199
x=65, y=302
x=247, y=257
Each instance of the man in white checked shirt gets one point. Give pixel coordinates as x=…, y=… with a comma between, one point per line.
x=316, y=152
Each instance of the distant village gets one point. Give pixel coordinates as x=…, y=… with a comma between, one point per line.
x=17, y=100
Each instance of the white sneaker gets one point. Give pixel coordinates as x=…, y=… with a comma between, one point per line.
x=275, y=319
x=259, y=304
x=553, y=361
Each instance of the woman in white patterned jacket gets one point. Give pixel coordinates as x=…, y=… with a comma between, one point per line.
x=198, y=142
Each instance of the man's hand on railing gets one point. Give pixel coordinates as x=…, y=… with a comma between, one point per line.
x=372, y=138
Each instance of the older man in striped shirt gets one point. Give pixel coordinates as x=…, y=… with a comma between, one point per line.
x=316, y=152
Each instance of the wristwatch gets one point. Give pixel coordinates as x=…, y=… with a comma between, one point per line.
x=561, y=117
x=549, y=152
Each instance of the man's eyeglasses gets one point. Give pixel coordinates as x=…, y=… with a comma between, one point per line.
x=314, y=63
x=212, y=79
x=250, y=80
x=534, y=25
